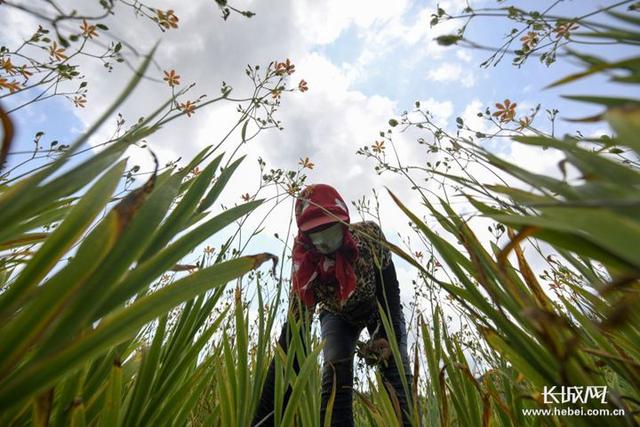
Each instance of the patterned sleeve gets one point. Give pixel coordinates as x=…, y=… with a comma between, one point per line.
x=381, y=253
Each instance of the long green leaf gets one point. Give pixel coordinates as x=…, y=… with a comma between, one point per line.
x=117, y=327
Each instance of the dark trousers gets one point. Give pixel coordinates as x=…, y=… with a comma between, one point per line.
x=340, y=343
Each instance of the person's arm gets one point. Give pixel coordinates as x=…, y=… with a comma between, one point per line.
x=388, y=294
x=296, y=311
x=387, y=287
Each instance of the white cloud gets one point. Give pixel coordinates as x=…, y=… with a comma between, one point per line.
x=328, y=124
x=323, y=22
x=440, y=110
x=464, y=55
x=452, y=72
x=16, y=26
x=471, y=119
x=395, y=29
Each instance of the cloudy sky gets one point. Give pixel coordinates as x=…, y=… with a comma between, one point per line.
x=365, y=62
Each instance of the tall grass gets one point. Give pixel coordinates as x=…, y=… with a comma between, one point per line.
x=528, y=337
x=76, y=298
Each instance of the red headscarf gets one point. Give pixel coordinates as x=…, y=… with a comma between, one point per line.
x=317, y=205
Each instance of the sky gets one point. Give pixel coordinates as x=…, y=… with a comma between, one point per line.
x=365, y=62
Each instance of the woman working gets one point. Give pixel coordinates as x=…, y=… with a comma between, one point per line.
x=343, y=270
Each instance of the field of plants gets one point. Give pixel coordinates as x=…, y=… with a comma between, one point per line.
x=102, y=321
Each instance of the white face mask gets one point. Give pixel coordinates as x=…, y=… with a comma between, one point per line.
x=328, y=240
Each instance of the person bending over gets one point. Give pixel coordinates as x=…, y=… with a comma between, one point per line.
x=344, y=271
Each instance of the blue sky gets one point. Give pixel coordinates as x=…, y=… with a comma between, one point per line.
x=54, y=118
x=401, y=78
x=400, y=74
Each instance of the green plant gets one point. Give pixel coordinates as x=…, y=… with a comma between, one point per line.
x=77, y=296
x=579, y=330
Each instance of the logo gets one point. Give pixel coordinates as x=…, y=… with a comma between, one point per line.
x=574, y=394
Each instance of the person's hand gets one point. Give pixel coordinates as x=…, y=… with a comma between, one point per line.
x=375, y=351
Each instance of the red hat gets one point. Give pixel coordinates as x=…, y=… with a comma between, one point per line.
x=319, y=204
